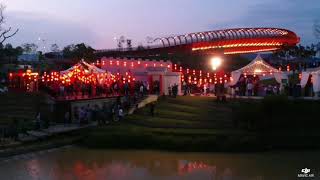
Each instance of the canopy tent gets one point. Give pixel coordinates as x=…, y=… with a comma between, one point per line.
x=88, y=68
x=257, y=67
x=315, y=73
x=87, y=73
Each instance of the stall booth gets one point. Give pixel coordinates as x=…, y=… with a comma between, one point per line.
x=260, y=69
x=311, y=76
x=82, y=79
x=24, y=81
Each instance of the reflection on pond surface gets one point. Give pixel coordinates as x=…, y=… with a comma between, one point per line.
x=84, y=164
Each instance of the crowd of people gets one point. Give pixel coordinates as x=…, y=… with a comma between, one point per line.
x=173, y=90
x=80, y=90
x=252, y=86
x=102, y=113
x=126, y=95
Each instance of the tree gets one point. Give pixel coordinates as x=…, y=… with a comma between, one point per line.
x=29, y=47
x=129, y=44
x=120, y=42
x=18, y=50
x=68, y=51
x=140, y=47
x=79, y=51
x=316, y=29
x=8, y=53
x=149, y=40
x=296, y=51
x=5, y=33
x=54, y=48
x=9, y=50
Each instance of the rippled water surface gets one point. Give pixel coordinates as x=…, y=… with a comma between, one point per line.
x=85, y=164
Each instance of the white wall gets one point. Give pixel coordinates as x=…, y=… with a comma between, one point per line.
x=170, y=80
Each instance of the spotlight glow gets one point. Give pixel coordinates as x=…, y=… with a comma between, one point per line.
x=215, y=62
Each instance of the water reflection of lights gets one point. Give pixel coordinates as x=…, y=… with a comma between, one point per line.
x=113, y=170
x=187, y=167
x=33, y=168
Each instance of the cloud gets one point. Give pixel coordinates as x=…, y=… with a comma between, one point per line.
x=294, y=15
x=53, y=30
x=98, y=22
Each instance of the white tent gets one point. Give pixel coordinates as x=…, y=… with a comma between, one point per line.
x=84, y=65
x=315, y=73
x=101, y=75
x=258, y=67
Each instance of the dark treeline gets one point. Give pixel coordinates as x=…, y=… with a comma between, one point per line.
x=75, y=52
x=79, y=51
x=298, y=51
x=8, y=53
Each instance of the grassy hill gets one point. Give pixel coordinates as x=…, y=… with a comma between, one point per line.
x=19, y=106
x=202, y=124
x=185, y=112
x=181, y=124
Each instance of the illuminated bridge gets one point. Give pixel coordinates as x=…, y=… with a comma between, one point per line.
x=228, y=41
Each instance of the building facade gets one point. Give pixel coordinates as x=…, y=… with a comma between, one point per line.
x=154, y=74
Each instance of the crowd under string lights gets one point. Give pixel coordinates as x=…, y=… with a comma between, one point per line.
x=92, y=76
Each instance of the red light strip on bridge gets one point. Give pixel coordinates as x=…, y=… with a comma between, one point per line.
x=237, y=45
x=251, y=51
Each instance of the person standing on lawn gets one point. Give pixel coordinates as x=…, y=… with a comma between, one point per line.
x=152, y=106
x=120, y=114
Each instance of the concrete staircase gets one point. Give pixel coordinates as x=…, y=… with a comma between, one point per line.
x=142, y=103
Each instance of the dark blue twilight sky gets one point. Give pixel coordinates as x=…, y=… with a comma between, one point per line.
x=97, y=22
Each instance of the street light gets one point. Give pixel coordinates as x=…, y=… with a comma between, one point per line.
x=215, y=62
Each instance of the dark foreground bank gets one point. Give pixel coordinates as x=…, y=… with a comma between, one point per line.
x=200, y=124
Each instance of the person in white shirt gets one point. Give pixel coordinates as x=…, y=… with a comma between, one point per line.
x=121, y=114
x=141, y=90
x=233, y=92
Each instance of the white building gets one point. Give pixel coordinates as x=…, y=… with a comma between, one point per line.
x=147, y=71
x=318, y=51
x=29, y=57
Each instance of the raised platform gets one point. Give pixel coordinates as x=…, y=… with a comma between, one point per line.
x=73, y=105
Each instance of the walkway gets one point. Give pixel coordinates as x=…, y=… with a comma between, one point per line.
x=52, y=130
x=143, y=103
x=258, y=97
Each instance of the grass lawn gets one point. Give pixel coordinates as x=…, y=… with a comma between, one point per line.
x=18, y=106
x=202, y=124
x=196, y=124
x=179, y=124
x=185, y=112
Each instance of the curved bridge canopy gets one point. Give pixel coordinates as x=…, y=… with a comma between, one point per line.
x=233, y=41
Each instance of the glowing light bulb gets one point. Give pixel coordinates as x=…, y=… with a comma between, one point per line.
x=215, y=62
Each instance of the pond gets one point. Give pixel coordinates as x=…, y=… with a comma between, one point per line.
x=75, y=163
